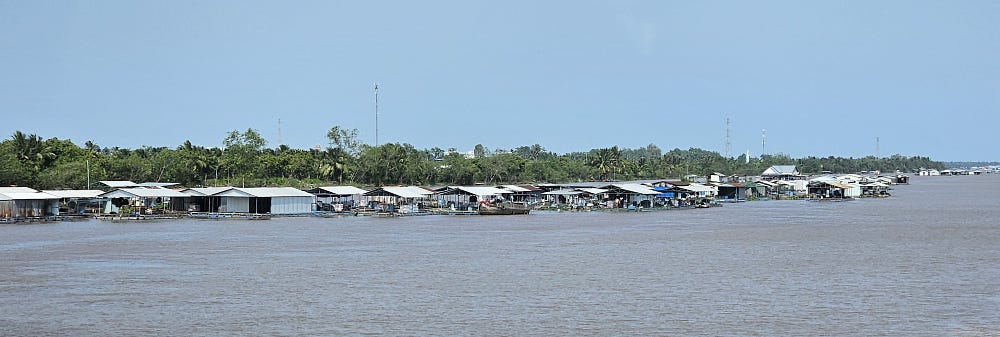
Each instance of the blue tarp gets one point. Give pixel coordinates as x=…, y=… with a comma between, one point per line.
x=665, y=195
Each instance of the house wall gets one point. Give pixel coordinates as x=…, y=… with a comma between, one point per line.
x=34, y=208
x=853, y=192
x=234, y=205
x=291, y=205
x=6, y=209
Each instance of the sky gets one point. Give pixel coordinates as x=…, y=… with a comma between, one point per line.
x=848, y=78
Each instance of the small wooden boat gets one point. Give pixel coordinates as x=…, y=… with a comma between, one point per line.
x=504, y=208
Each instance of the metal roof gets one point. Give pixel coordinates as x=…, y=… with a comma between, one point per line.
x=16, y=189
x=476, y=190
x=402, y=192
x=514, y=188
x=342, y=190
x=143, y=192
x=157, y=184
x=275, y=192
x=593, y=190
x=206, y=191
x=778, y=170
x=75, y=193
x=27, y=196
x=563, y=192
x=119, y=183
x=635, y=188
x=697, y=188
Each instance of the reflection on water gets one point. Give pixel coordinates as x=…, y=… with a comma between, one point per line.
x=923, y=262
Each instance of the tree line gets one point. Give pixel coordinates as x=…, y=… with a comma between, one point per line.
x=245, y=160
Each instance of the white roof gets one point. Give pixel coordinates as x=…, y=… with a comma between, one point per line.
x=275, y=192
x=157, y=184
x=75, y=193
x=206, y=191
x=563, y=192
x=405, y=192
x=17, y=190
x=143, y=192
x=247, y=192
x=515, y=188
x=636, y=188
x=694, y=187
x=480, y=190
x=27, y=196
x=119, y=183
x=778, y=170
x=343, y=190
x=593, y=190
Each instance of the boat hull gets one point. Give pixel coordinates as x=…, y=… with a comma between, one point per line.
x=506, y=208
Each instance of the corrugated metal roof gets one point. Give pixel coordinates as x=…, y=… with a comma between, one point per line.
x=343, y=190
x=402, y=192
x=593, y=190
x=75, y=193
x=636, y=188
x=838, y=185
x=206, y=191
x=563, y=192
x=515, y=188
x=157, y=184
x=778, y=170
x=275, y=192
x=697, y=188
x=16, y=189
x=119, y=183
x=29, y=196
x=144, y=192
x=477, y=190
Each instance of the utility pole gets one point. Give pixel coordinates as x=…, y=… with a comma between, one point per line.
x=376, y=114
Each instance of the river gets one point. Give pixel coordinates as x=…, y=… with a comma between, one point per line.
x=923, y=262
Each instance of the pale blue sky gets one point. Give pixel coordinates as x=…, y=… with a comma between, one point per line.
x=823, y=77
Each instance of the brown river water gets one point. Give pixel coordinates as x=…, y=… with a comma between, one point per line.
x=924, y=262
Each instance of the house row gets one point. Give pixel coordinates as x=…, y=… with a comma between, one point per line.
x=786, y=182
x=126, y=197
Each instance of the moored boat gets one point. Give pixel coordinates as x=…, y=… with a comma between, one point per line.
x=504, y=208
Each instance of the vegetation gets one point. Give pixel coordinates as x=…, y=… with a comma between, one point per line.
x=245, y=160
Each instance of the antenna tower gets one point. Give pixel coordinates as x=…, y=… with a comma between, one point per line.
x=877, y=149
x=729, y=144
x=376, y=113
x=763, y=138
x=279, y=132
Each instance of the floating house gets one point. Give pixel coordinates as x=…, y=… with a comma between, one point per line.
x=337, y=198
x=78, y=201
x=824, y=189
x=394, y=197
x=251, y=200
x=630, y=195
x=462, y=197
x=732, y=191
x=26, y=203
x=143, y=200
x=523, y=193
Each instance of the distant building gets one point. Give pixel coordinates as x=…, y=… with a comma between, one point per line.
x=781, y=172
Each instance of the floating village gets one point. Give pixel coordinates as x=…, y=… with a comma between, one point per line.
x=130, y=201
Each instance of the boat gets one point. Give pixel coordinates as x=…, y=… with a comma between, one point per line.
x=504, y=208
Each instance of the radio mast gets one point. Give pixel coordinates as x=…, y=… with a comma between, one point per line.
x=376, y=114
x=729, y=144
x=763, y=138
